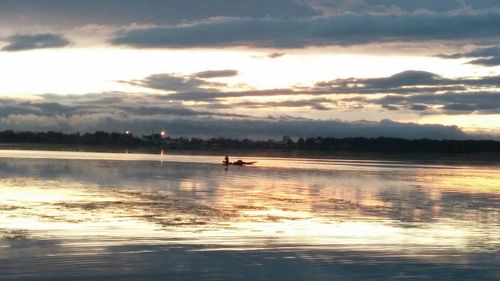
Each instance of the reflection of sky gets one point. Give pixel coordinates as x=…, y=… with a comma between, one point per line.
x=417, y=211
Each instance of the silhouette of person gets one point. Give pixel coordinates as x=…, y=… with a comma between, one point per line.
x=226, y=160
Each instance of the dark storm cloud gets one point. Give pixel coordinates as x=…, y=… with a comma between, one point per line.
x=344, y=29
x=22, y=42
x=487, y=56
x=216, y=73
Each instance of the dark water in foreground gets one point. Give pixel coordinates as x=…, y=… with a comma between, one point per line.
x=98, y=216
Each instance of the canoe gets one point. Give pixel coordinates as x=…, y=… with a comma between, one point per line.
x=238, y=163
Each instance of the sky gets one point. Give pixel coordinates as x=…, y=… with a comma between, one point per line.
x=252, y=69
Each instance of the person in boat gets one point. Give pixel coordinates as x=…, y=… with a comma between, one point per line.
x=237, y=162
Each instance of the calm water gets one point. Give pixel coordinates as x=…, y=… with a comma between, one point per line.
x=102, y=216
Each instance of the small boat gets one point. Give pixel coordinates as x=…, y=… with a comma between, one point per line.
x=238, y=163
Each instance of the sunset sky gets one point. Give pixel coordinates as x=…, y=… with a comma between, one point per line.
x=259, y=68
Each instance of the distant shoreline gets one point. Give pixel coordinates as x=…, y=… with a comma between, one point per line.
x=315, y=145
x=442, y=158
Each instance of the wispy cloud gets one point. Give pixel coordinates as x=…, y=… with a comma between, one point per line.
x=216, y=73
x=276, y=55
x=447, y=103
x=407, y=82
x=175, y=83
x=419, y=91
x=321, y=104
x=486, y=56
x=23, y=42
x=180, y=83
x=398, y=7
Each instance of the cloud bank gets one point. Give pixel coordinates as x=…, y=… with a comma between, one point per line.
x=344, y=29
x=124, y=12
x=63, y=12
x=259, y=23
x=119, y=112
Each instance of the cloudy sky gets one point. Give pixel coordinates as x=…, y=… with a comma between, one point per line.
x=260, y=68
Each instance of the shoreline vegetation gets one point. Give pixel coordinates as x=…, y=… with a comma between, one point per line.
x=380, y=145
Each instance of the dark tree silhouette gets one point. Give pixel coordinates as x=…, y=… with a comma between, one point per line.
x=356, y=144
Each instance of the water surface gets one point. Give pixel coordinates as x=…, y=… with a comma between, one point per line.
x=112, y=216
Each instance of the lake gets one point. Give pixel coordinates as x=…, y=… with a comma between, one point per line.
x=120, y=216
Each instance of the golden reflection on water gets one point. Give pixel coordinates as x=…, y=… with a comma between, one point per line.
x=45, y=208
x=481, y=182
x=268, y=211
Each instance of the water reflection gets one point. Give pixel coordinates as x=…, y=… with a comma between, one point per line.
x=384, y=208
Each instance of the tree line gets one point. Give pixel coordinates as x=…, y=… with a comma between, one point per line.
x=353, y=144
